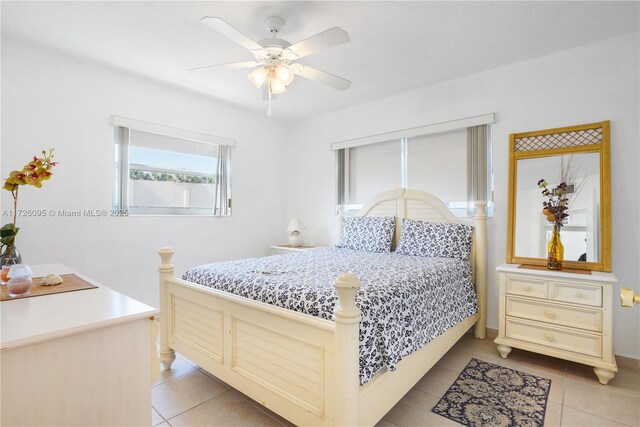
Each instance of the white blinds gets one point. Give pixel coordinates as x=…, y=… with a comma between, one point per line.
x=372, y=168
x=222, y=197
x=438, y=164
x=167, y=143
x=157, y=129
x=479, y=166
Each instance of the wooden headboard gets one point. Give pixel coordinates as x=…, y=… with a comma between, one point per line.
x=419, y=205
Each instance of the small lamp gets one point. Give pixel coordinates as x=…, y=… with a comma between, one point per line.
x=295, y=238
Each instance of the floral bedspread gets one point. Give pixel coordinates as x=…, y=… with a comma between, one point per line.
x=406, y=301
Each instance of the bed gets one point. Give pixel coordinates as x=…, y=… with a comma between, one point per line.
x=307, y=368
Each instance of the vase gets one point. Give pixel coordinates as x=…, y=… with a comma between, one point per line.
x=19, y=286
x=555, y=250
x=20, y=283
x=10, y=255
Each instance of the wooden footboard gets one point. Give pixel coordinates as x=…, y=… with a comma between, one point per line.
x=304, y=368
x=282, y=359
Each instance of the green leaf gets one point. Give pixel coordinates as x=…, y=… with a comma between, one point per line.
x=7, y=230
x=8, y=240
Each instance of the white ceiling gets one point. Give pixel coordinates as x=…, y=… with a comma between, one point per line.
x=395, y=47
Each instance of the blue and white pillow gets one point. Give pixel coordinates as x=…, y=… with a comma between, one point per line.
x=432, y=239
x=370, y=234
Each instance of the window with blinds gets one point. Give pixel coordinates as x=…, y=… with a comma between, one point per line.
x=164, y=175
x=454, y=165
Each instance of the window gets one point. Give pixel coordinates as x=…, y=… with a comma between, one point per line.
x=372, y=167
x=438, y=164
x=449, y=160
x=162, y=174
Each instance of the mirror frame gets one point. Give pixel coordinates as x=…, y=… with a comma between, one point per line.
x=587, y=138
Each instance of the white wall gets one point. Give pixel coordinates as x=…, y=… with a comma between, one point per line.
x=588, y=84
x=50, y=100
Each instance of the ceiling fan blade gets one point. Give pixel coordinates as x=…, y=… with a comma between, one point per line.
x=321, y=76
x=230, y=32
x=212, y=68
x=333, y=37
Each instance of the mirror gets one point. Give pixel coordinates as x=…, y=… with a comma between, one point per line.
x=579, y=156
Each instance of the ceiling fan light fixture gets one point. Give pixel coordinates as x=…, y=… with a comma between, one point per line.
x=277, y=58
x=277, y=86
x=284, y=74
x=258, y=76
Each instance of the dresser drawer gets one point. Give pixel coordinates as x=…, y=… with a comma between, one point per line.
x=562, y=339
x=576, y=293
x=583, y=318
x=527, y=287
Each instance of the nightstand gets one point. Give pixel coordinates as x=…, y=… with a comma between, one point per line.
x=564, y=314
x=287, y=249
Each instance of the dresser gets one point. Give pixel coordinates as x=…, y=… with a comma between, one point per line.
x=86, y=357
x=561, y=314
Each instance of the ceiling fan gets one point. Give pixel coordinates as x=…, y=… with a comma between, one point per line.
x=275, y=64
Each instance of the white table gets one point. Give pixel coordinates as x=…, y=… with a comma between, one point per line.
x=77, y=358
x=286, y=249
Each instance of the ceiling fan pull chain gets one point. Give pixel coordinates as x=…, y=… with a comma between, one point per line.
x=269, y=110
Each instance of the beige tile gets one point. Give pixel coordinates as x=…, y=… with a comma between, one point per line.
x=226, y=409
x=414, y=409
x=268, y=422
x=553, y=415
x=213, y=377
x=437, y=381
x=266, y=410
x=473, y=345
x=628, y=362
x=491, y=333
x=156, y=418
x=601, y=401
x=539, y=362
x=179, y=395
x=180, y=367
x=456, y=360
x=626, y=381
x=278, y=418
x=574, y=418
x=385, y=423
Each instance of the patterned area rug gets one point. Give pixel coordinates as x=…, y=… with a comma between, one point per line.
x=490, y=395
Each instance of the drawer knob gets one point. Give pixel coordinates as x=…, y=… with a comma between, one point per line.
x=548, y=336
x=550, y=314
x=527, y=288
x=578, y=294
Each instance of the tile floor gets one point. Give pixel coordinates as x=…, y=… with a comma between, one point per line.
x=189, y=396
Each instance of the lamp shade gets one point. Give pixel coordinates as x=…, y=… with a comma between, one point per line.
x=258, y=76
x=295, y=225
x=284, y=74
x=277, y=87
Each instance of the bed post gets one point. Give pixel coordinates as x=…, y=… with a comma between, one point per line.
x=340, y=216
x=481, y=267
x=347, y=353
x=167, y=355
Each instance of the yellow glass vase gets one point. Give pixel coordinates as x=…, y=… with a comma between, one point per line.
x=555, y=250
